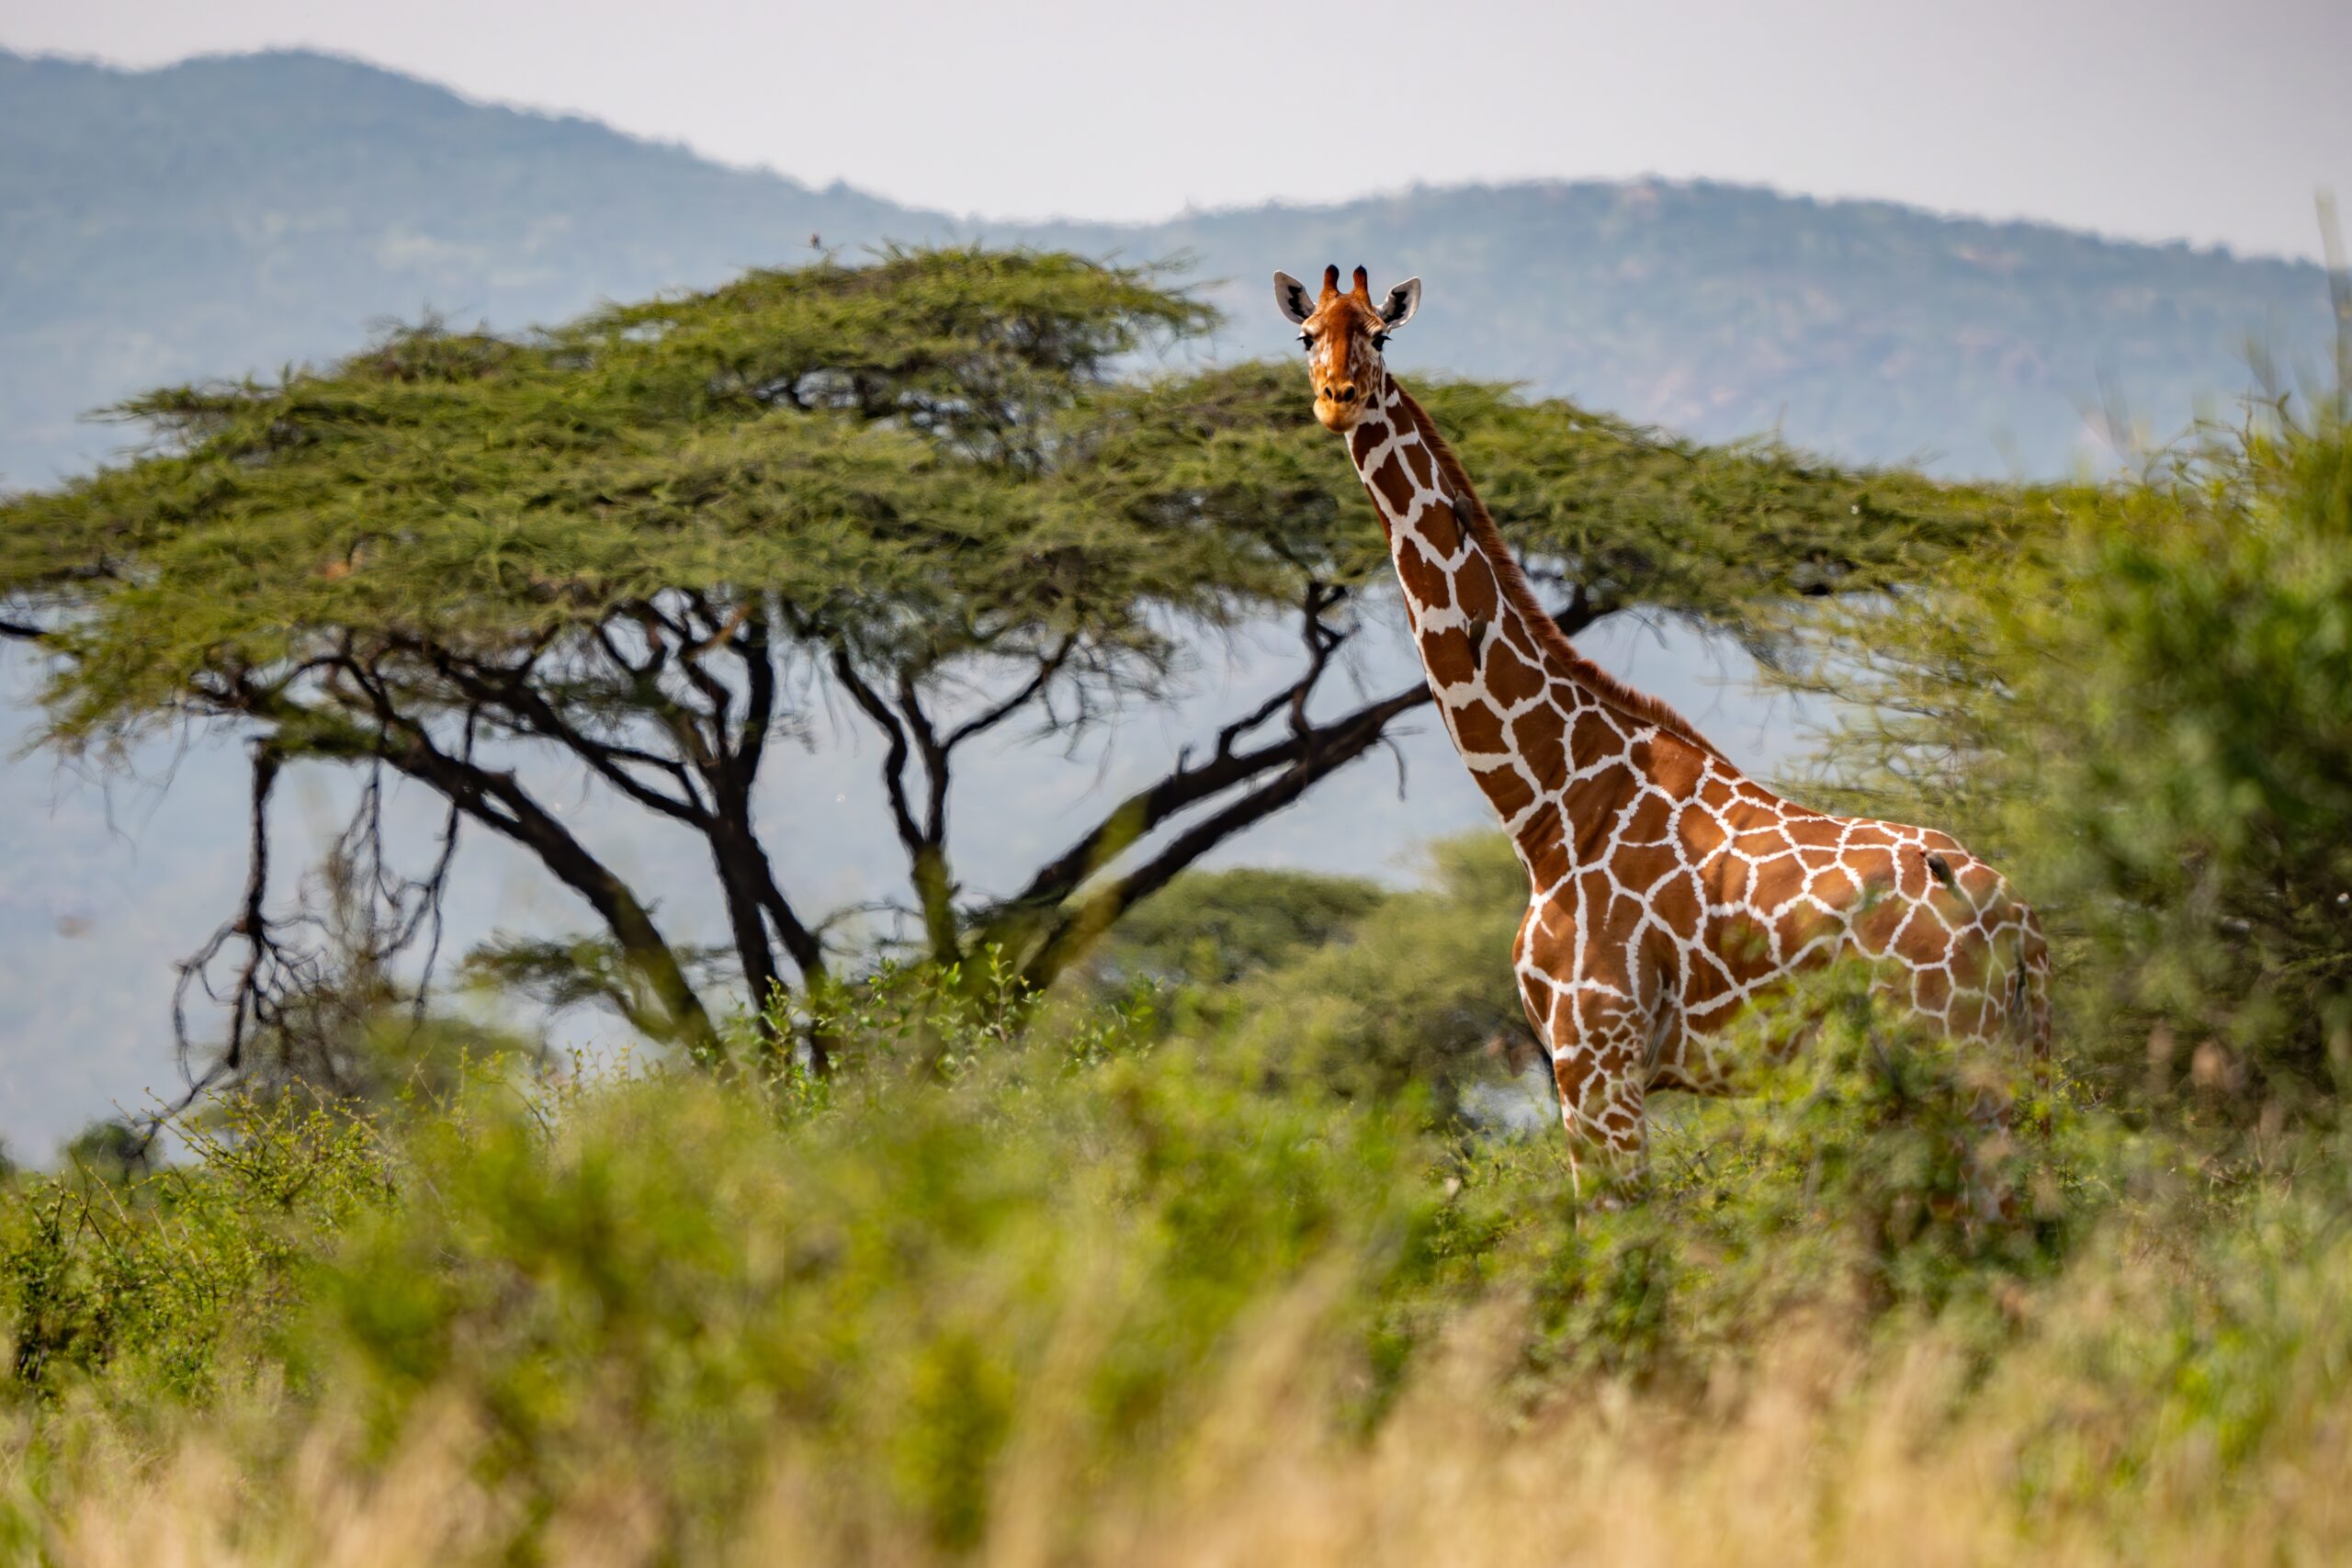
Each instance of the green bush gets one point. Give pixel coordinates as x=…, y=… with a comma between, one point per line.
x=1866, y=1178
x=164, y=1284
x=2137, y=703
x=1416, y=995
x=1213, y=928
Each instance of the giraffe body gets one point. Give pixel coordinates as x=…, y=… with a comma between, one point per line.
x=1668, y=889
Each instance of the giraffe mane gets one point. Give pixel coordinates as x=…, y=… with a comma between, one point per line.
x=1636, y=705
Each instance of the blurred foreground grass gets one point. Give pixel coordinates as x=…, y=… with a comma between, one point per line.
x=1108, y=1295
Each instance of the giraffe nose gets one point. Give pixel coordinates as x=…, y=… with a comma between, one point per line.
x=1343, y=391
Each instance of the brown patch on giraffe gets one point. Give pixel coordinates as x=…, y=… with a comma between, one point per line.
x=1873, y=931
x=1801, y=927
x=1479, y=727
x=1510, y=677
x=1640, y=870
x=1587, y=804
x=1778, y=880
x=1812, y=832
x=1442, y=528
x=1911, y=874
x=1425, y=581
x=1967, y=958
x=1648, y=824
x=1449, y=657
x=1418, y=456
x=1715, y=792
x=1937, y=918
x=1705, y=984
x=1509, y=793
x=1677, y=765
x=1592, y=737
x=1390, y=485
x=1930, y=989
x=1762, y=843
x=1836, y=886
x=1611, y=915
x=1367, y=434
x=1729, y=879
x=1474, y=588
x=1677, y=902
x=1551, y=948
x=1538, y=735
x=1700, y=834
x=1543, y=844
x=1660, y=958
x=1746, y=947
x=1873, y=866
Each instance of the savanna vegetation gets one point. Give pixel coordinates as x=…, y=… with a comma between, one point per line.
x=1221, y=1245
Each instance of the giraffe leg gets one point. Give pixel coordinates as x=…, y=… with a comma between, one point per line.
x=1599, y=1062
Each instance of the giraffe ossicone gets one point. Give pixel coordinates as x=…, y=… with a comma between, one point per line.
x=1668, y=890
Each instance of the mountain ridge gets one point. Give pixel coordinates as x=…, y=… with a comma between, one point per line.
x=235, y=212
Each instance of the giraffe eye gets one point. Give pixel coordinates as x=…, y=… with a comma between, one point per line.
x=1380, y=340
x=1306, y=340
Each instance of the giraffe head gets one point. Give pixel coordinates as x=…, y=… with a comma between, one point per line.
x=1344, y=334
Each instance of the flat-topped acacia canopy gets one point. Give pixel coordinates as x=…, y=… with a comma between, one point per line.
x=937, y=474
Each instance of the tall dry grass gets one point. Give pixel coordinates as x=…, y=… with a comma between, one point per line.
x=1830, y=1451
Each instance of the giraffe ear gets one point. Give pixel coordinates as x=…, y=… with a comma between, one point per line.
x=1402, y=302
x=1292, y=298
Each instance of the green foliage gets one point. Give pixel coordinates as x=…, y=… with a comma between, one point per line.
x=1213, y=928
x=640, y=1292
x=2141, y=713
x=817, y=432
x=167, y=1284
x=1421, y=992
x=108, y=1150
x=1864, y=1178
x=652, y=1277
x=923, y=456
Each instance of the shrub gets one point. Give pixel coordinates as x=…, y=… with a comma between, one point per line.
x=2138, y=705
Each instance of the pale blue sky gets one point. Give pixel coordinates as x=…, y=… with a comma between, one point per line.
x=2162, y=120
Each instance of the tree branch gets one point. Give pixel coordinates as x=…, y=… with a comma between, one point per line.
x=1327, y=750
x=498, y=800
x=249, y=1000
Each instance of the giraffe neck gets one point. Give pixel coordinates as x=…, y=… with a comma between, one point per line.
x=1530, y=715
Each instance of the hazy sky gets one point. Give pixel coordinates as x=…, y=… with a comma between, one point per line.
x=2158, y=119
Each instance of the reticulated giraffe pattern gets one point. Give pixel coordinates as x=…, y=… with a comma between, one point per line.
x=1668, y=888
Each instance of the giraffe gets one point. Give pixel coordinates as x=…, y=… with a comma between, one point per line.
x=1666, y=889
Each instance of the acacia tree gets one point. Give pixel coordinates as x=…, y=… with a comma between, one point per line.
x=649, y=542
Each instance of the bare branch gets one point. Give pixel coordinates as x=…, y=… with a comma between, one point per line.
x=894, y=764
x=1047, y=668
x=1331, y=747
x=1188, y=786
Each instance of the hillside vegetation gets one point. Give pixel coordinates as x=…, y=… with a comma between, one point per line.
x=231, y=215
x=1207, y=1256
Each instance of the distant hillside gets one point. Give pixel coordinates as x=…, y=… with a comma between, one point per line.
x=232, y=214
